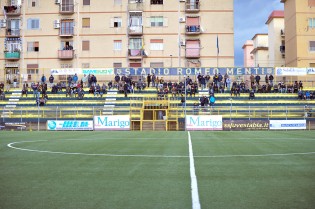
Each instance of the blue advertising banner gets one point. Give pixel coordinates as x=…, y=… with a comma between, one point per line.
x=193, y=71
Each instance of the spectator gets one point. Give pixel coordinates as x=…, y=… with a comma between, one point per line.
x=212, y=101
x=43, y=79
x=271, y=79
x=75, y=78
x=149, y=80
x=257, y=78
x=14, y=82
x=51, y=80
x=251, y=95
x=182, y=100
x=153, y=80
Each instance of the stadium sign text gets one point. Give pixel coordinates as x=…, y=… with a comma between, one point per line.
x=193, y=71
x=287, y=124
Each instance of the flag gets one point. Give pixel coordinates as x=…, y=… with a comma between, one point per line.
x=218, y=49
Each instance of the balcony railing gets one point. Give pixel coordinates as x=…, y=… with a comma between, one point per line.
x=65, y=54
x=135, y=30
x=135, y=53
x=192, y=29
x=12, y=55
x=66, y=31
x=137, y=6
x=12, y=10
x=192, y=7
x=282, y=49
x=66, y=9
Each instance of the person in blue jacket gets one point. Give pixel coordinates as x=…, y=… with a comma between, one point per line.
x=212, y=101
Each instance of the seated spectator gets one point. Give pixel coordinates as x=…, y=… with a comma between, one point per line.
x=275, y=88
x=307, y=95
x=97, y=90
x=2, y=95
x=251, y=95
x=69, y=92
x=300, y=95
x=301, y=85
x=312, y=95
x=110, y=85
x=174, y=91
x=80, y=93
x=42, y=101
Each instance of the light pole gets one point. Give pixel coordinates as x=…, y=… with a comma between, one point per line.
x=185, y=100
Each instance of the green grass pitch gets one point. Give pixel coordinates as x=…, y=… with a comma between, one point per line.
x=151, y=170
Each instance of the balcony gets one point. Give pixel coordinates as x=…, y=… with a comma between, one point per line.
x=12, y=55
x=66, y=31
x=135, y=30
x=12, y=11
x=193, y=30
x=135, y=53
x=192, y=7
x=12, y=32
x=65, y=54
x=66, y=9
x=135, y=6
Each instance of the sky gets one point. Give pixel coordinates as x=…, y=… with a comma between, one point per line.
x=250, y=17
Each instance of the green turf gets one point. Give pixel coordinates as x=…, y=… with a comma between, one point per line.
x=88, y=179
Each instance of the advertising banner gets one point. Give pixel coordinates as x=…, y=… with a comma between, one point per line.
x=80, y=71
x=112, y=122
x=203, y=122
x=245, y=125
x=71, y=125
x=290, y=71
x=287, y=124
x=18, y=126
x=310, y=70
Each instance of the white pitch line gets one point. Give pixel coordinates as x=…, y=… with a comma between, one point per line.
x=10, y=145
x=193, y=177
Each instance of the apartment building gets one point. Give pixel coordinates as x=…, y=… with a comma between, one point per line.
x=276, y=44
x=260, y=50
x=40, y=35
x=299, y=16
x=248, y=57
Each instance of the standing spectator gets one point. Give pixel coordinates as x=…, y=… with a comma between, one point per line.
x=271, y=79
x=149, y=79
x=153, y=80
x=257, y=78
x=14, y=82
x=228, y=83
x=69, y=80
x=117, y=79
x=267, y=79
x=75, y=78
x=182, y=100
x=252, y=80
x=43, y=79
x=125, y=89
x=51, y=80
x=203, y=82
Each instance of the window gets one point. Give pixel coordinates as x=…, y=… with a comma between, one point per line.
x=85, y=45
x=135, y=43
x=311, y=3
x=33, y=46
x=32, y=24
x=85, y=65
x=311, y=23
x=32, y=68
x=85, y=22
x=156, y=21
x=156, y=64
x=117, y=2
x=33, y=3
x=66, y=27
x=66, y=65
x=13, y=45
x=156, y=44
x=156, y=1
x=117, y=45
x=115, y=22
x=312, y=46
x=117, y=64
x=86, y=2
x=192, y=48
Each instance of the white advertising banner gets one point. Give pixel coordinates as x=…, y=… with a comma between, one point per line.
x=287, y=124
x=71, y=125
x=310, y=70
x=112, y=122
x=290, y=71
x=203, y=122
x=80, y=71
